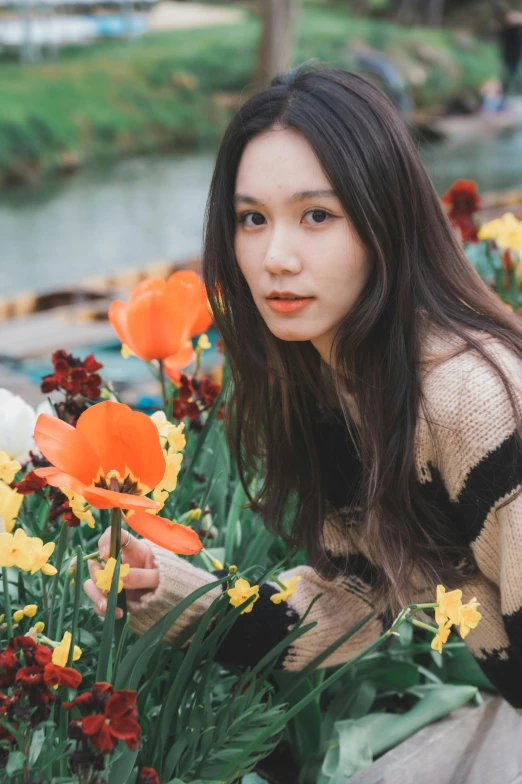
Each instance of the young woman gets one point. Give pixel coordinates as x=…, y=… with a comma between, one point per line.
x=377, y=381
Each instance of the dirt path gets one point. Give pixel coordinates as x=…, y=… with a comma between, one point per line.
x=172, y=16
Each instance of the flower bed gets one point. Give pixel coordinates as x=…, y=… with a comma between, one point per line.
x=89, y=701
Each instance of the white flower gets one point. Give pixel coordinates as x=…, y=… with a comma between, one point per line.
x=17, y=421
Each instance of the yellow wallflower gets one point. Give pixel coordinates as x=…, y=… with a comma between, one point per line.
x=10, y=503
x=17, y=550
x=126, y=352
x=468, y=617
x=61, y=652
x=241, y=591
x=449, y=604
x=169, y=432
x=176, y=439
x=79, y=506
x=104, y=576
x=203, y=343
x=8, y=467
x=287, y=592
x=441, y=637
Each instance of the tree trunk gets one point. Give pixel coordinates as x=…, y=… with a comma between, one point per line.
x=275, y=48
x=436, y=13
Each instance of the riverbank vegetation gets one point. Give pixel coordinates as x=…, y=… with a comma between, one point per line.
x=176, y=89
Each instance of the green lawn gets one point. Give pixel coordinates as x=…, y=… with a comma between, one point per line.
x=116, y=98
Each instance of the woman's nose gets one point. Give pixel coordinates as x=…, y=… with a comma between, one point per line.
x=278, y=261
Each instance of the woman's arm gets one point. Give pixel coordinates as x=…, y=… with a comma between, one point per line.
x=481, y=466
x=255, y=633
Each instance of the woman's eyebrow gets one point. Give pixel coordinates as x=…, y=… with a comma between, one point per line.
x=299, y=196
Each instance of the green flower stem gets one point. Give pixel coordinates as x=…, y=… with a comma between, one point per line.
x=163, y=383
x=421, y=625
x=429, y=606
x=7, y=600
x=280, y=584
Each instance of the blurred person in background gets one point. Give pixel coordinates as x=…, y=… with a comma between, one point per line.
x=510, y=40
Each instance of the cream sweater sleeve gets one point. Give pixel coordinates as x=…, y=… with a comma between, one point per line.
x=177, y=579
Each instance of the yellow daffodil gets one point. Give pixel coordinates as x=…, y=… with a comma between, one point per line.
x=61, y=652
x=506, y=231
x=17, y=550
x=10, y=503
x=30, y=610
x=79, y=506
x=126, y=352
x=193, y=514
x=241, y=591
x=286, y=592
x=441, y=637
x=216, y=564
x=468, y=617
x=8, y=467
x=104, y=576
x=448, y=605
x=41, y=554
x=203, y=343
x=18, y=616
x=39, y=627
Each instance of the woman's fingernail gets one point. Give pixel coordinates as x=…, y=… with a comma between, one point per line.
x=103, y=552
x=102, y=605
x=119, y=613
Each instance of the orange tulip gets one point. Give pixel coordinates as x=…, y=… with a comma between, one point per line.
x=113, y=458
x=161, y=316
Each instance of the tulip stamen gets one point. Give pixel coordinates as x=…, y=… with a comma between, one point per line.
x=113, y=481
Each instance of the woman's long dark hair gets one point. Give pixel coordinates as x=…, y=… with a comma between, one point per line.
x=419, y=274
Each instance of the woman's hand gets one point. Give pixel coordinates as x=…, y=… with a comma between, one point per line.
x=143, y=575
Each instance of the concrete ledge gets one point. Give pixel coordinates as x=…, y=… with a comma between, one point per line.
x=471, y=746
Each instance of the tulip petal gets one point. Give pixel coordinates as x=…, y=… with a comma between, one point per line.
x=66, y=448
x=171, y=536
x=183, y=358
x=157, y=320
x=202, y=316
x=57, y=478
x=111, y=499
x=124, y=440
x=118, y=317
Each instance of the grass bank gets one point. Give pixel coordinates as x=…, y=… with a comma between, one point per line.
x=174, y=90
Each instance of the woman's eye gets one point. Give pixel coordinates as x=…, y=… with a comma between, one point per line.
x=319, y=215
x=256, y=215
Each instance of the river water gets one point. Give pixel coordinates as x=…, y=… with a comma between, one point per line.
x=148, y=209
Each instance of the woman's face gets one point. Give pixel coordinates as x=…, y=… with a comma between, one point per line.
x=292, y=235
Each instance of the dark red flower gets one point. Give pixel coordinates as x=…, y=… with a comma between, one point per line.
x=29, y=677
x=462, y=200
x=117, y=722
x=73, y=375
x=54, y=675
x=31, y=483
x=148, y=776
x=8, y=666
x=219, y=346
x=43, y=655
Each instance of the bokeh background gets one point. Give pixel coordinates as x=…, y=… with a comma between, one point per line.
x=111, y=111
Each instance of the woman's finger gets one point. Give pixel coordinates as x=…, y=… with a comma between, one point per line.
x=133, y=552
x=141, y=579
x=97, y=598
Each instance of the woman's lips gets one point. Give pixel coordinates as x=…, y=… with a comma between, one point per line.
x=288, y=305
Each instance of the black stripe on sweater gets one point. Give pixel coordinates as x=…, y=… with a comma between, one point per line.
x=504, y=674
x=254, y=634
x=494, y=477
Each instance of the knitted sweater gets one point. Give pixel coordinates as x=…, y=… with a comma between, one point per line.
x=471, y=465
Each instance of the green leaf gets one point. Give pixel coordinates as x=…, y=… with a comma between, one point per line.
x=136, y=661
x=102, y=671
x=121, y=770
x=15, y=763
x=78, y=592
x=350, y=751
x=56, y=579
